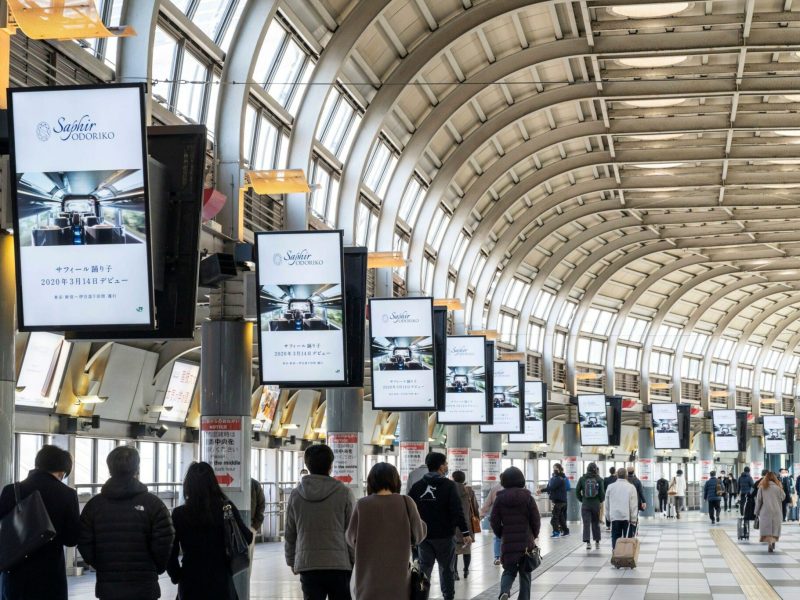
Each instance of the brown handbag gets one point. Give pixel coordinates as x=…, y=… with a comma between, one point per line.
x=476, y=523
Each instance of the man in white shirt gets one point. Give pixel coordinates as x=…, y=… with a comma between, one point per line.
x=678, y=484
x=622, y=507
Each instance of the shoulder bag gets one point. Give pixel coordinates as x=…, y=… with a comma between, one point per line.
x=237, y=550
x=24, y=530
x=532, y=558
x=420, y=582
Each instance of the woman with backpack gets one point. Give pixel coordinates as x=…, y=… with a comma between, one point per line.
x=590, y=492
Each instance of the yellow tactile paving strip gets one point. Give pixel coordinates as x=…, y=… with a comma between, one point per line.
x=754, y=585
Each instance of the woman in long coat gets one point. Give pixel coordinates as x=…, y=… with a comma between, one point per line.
x=769, y=509
x=469, y=504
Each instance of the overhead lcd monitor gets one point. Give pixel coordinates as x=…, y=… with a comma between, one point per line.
x=355, y=308
x=666, y=434
x=466, y=397
x=593, y=419
x=401, y=346
x=775, y=434
x=42, y=370
x=301, y=318
x=508, y=397
x=81, y=208
x=726, y=436
x=535, y=415
x=180, y=391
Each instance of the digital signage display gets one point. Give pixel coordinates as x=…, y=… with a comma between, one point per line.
x=507, y=399
x=301, y=318
x=401, y=343
x=775, y=434
x=535, y=415
x=466, y=399
x=726, y=437
x=42, y=370
x=81, y=209
x=593, y=419
x=666, y=435
x=180, y=391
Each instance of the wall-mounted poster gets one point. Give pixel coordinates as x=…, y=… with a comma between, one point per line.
x=465, y=396
x=508, y=397
x=180, y=391
x=775, y=434
x=267, y=406
x=726, y=438
x=81, y=213
x=593, y=419
x=665, y=427
x=401, y=343
x=42, y=370
x=300, y=308
x=535, y=415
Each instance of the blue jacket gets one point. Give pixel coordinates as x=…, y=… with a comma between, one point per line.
x=557, y=488
x=710, y=490
x=746, y=483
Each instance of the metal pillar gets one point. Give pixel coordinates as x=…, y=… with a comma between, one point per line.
x=344, y=414
x=756, y=451
x=572, y=466
x=491, y=466
x=459, y=441
x=413, y=441
x=226, y=372
x=646, y=470
x=705, y=451
x=7, y=364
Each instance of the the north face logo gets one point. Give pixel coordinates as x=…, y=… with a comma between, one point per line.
x=139, y=507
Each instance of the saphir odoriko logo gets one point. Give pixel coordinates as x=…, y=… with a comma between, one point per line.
x=79, y=129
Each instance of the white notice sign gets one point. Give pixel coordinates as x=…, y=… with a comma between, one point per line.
x=221, y=447
x=412, y=456
x=491, y=465
x=345, y=456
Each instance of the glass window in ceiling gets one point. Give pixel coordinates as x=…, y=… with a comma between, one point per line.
x=744, y=377
x=250, y=116
x=508, y=328
x=535, y=337
x=450, y=292
x=288, y=72
x=109, y=52
x=427, y=275
x=230, y=26
x=435, y=225
x=412, y=201
x=192, y=88
x=719, y=373
x=436, y=236
x=543, y=303
x=478, y=267
x=559, y=342
x=794, y=362
x=768, y=382
x=567, y=312
x=211, y=112
x=366, y=225
x=627, y=357
x=660, y=363
x=400, y=245
x=164, y=50
x=696, y=343
x=211, y=16
x=749, y=355
x=338, y=124
x=270, y=50
x=380, y=167
x=633, y=329
x=460, y=249
x=772, y=360
x=724, y=349
x=266, y=146
x=324, y=199
x=514, y=296
x=667, y=337
x=690, y=368
x=788, y=386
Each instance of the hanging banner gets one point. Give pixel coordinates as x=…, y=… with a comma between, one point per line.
x=706, y=466
x=412, y=456
x=301, y=319
x=401, y=343
x=81, y=212
x=665, y=426
x=726, y=437
x=508, y=397
x=535, y=415
x=593, y=419
x=458, y=460
x=221, y=447
x=180, y=391
x=571, y=469
x=646, y=472
x=346, y=455
x=775, y=434
x=42, y=370
x=491, y=467
x=466, y=398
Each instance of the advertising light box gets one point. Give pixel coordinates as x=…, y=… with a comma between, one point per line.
x=301, y=321
x=726, y=438
x=593, y=419
x=42, y=370
x=466, y=399
x=81, y=211
x=535, y=415
x=507, y=399
x=401, y=359
x=775, y=434
x=180, y=391
x=665, y=427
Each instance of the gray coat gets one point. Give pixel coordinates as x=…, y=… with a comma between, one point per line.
x=317, y=517
x=769, y=510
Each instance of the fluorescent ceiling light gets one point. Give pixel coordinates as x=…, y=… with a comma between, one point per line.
x=91, y=399
x=787, y=132
x=651, y=62
x=650, y=11
x=656, y=137
x=655, y=102
x=792, y=97
x=665, y=165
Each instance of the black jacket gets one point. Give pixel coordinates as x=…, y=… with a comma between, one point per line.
x=746, y=483
x=515, y=519
x=557, y=488
x=439, y=506
x=126, y=535
x=203, y=573
x=258, y=505
x=609, y=480
x=662, y=486
x=43, y=574
x=639, y=489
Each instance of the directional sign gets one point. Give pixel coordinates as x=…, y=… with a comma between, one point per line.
x=345, y=456
x=221, y=447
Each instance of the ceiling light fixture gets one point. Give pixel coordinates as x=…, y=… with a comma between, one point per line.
x=650, y=11
x=651, y=62
x=655, y=102
x=655, y=137
x=664, y=165
x=787, y=132
x=792, y=97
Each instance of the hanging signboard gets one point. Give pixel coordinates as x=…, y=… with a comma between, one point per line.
x=775, y=434
x=180, y=392
x=458, y=460
x=593, y=419
x=466, y=397
x=221, y=447
x=301, y=319
x=646, y=472
x=666, y=435
x=81, y=212
x=346, y=455
x=535, y=415
x=401, y=343
x=412, y=456
x=42, y=370
x=490, y=467
x=571, y=469
x=508, y=397
x=725, y=433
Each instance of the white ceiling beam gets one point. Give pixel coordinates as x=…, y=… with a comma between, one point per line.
x=748, y=18
x=454, y=132
x=587, y=24
x=391, y=37
x=323, y=13
x=451, y=60
x=363, y=65
x=507, y=93
x=521, y=37
x=554, y=20
x=427, y=90
x=426, y=13
x=487, y=47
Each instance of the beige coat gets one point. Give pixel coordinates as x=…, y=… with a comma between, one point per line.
x=769, y=510
x=469, y=504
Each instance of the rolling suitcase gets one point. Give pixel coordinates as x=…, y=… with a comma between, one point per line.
x=670, y=510
x=742, y=529
x=626, y=552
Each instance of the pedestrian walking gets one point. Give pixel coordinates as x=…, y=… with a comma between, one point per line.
x=469, y=504
x=662, y=488
x=557, y=491
x=622, y=507
x=612, y=478
x=746, y=486
x=678, y=492
x=590, y=492
x=712, y=494
x=486, y=510
x=768, y=509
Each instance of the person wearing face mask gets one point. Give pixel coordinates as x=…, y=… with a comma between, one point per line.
x=557, y=490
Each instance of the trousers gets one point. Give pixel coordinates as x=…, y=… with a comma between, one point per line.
x=442, y=551
x=559, y=519
x=714, y=508
x=619, y=529
x=590, y=515
x=507, y=580
x=322, y=585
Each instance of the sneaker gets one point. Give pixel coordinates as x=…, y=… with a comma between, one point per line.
x=555, y=534
x=597, y=545
x=466, y=573
x=497, y=561
x=503, y=597
x=588, y=545
x=565, y=534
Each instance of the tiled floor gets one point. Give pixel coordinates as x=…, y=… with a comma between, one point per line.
x=678, y=559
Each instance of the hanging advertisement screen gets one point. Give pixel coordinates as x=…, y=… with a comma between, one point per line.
x=401, y=346
x=535, y=415
x=466, y=398
x=508, y=397
x=301, y=319
x=42, y=370
x=180, y=391
x=775, y=434
x=665, y=427
x=726, y=438
x=593, y=419
x=81, y=208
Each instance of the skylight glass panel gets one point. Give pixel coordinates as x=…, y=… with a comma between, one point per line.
x=543, y=303
x=794, y=362
x=535, y=332
x=749, y=355
x=724, y=349
x=697, y=342
x=788, y=386
x=567, y=312
x=744, y=377
x=772, y=360
x=412, y=201
x=667, y=337
x=633, y=329
x=768, y=382
x=719, y=373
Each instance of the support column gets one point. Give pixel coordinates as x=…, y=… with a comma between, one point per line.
x=756, y=450
x=572, y=466
x=226, y=372
x=344, y=411
x=646, y=468
x=413, y=442
x=491, y=465
x=7, y=365
x=705, y=452
x=459, y=441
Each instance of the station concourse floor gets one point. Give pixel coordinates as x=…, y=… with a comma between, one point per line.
x=687, y=559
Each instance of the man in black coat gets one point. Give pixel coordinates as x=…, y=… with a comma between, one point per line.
x=612, y=478
x=126, y=533
x=43, y=574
